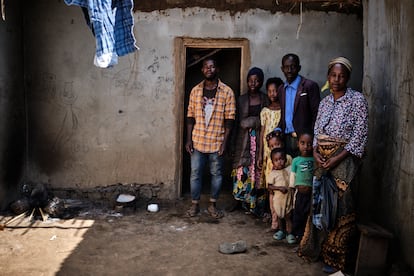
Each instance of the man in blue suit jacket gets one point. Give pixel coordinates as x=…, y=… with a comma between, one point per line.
x=299, y=101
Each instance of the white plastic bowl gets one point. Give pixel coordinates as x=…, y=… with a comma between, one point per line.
x=153, y=208
x=125, y=198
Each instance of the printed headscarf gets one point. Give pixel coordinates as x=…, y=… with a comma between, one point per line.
x=341, y=60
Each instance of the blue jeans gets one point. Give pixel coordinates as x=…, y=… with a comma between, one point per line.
x=198, y=162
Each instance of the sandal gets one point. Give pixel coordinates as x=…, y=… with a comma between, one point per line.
x=279, y=235
x=214, y=212
x=194, y=210
x=231, y=248
x=291, y=239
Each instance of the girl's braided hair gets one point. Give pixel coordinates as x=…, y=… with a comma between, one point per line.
x=273, y=134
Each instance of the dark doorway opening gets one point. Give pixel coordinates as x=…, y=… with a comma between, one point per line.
x=229, y=62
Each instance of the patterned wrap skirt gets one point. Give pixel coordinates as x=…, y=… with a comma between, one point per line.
x=246, y=182
x=334, y=242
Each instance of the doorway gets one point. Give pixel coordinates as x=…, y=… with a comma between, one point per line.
x=230, y=56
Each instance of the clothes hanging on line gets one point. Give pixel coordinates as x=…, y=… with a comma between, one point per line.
x=111, y=22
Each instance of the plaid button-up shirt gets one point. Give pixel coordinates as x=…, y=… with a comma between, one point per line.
x=208, y=138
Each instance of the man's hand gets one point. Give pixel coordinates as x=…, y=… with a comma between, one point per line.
x=222, y=149
x=189, y=147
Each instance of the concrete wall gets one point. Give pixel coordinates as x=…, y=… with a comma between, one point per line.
x=12, y=123
x=93, y=127
x=388, y=83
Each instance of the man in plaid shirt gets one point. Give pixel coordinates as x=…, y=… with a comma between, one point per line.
x=210, y=118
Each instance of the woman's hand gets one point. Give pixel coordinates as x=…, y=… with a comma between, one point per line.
x=320, y=161
x=331, y=162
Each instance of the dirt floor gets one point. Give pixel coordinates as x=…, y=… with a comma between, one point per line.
x=101, y=241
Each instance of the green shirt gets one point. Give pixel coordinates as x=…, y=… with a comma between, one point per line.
x=303, y=167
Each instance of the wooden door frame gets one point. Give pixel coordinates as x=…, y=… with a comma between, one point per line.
x=180, y=48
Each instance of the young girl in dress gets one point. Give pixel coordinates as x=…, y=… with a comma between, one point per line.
x=269, y=119
x=278, y=184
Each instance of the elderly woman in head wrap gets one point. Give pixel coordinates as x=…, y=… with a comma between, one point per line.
x=341, y=132
x=246, y=175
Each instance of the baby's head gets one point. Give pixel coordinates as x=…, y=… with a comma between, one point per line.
x=278, y=156
x=274, y=140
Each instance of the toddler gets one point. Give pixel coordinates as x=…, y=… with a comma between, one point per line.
x=282, y=200
x=274, y=141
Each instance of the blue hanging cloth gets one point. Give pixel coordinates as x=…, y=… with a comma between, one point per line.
x=111, y=22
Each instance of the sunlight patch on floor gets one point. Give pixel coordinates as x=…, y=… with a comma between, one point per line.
x=53, y=232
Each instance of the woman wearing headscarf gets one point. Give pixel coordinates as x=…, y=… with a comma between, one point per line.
x=246, y=175
x=341, y=134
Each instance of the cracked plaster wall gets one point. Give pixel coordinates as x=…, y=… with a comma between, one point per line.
x=388, y=182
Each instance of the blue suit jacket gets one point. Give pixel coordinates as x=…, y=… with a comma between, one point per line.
x=305, y=108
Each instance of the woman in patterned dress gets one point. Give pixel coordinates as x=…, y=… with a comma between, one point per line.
x=341, y=134
x=246, y=175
